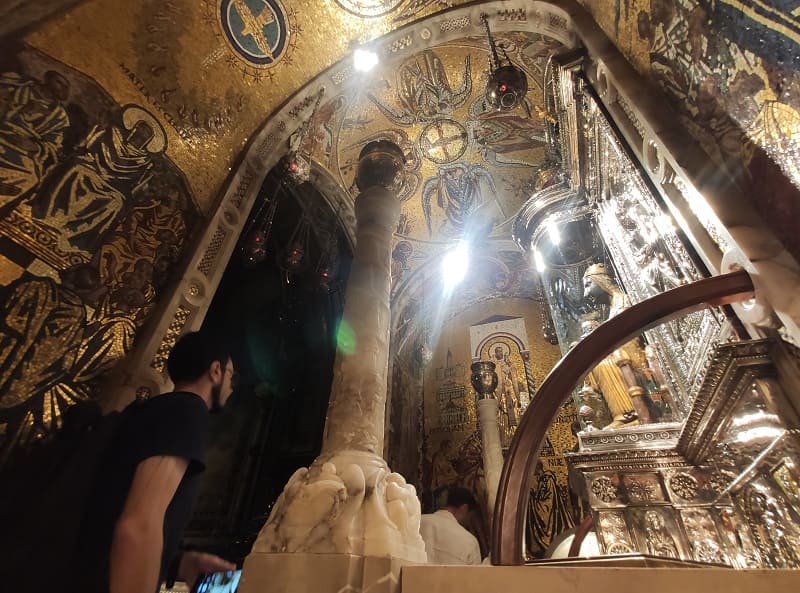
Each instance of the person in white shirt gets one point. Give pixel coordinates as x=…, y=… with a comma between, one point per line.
x=446, y=540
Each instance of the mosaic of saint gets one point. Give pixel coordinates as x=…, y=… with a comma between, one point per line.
x=93, y=218
x=435, y=363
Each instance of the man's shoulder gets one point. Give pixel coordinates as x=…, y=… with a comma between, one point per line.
x=174, y=400
x=426, y=518
x=173, y=409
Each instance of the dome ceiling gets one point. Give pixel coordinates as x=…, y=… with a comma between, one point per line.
x=468, y=165
x=463, y=156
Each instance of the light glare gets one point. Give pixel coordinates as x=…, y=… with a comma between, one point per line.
x=364, y=60
x=539, y=261
x=552, y=230
x=454, y=265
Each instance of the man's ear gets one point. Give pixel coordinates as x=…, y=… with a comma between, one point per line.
x=215, y=371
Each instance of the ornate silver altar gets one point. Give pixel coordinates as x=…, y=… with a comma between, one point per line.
x=721, y=488
x=689, y=447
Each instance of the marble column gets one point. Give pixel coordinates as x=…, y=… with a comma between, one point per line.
x=484, y=380
x=526, y=361
x=348, y=519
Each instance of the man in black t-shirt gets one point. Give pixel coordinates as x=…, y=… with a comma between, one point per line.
x=148, y=480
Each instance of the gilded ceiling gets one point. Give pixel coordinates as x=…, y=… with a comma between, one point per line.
x=465, y=161
x=214, y=70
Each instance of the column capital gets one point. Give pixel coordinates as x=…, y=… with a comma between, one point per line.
x=380, y=163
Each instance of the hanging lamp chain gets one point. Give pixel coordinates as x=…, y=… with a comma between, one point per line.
x=495, y=59
x=309, y=124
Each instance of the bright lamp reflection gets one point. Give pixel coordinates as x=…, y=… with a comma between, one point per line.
x=538, y=260
x=454, y=265
x=364, y=60
x=552, y=230
x=760, y=433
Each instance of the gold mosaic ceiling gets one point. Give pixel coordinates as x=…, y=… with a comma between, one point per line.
x=198, y=68
x=466, y=161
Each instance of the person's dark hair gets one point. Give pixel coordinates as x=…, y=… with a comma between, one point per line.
x=456, y=496
x=193, y=354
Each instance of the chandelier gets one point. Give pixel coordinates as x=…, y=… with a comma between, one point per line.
x=253, y=246
x=507, y=84
x=296, y=164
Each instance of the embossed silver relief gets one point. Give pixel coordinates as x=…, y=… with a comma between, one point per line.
x=684, y=485
x=737, y=540
x=649, y=259
x=604, y=489
x=702, y=534
x=643, y=488
x=776, y=535
x=660, y=436
x=718, y=482
x=614, y=534
x=658, y=539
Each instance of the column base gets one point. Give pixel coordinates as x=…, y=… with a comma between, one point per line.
x=319, y=573
x=348, y=502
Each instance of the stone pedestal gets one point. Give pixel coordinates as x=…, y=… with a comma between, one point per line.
x=348, y=522
x=347, y=502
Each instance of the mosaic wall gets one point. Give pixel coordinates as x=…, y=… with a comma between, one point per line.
x=211, y=71
x=93, y=219
x=469, y=166
x=432, y=403
x=730, y=68
x=452, y=446
x=108, y=132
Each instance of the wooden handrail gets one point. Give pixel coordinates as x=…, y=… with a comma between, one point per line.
x=580, y=534
x=557, y=388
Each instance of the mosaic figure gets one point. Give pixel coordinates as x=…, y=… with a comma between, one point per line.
x=548, y=510
x=52, y=345
x=85, y=195
x=507, y=390
x=498, y=133
x=443, y=472
x=153, y=232
x=460, y=190
x=32, y=125
x=95, y=216
x=424, y=91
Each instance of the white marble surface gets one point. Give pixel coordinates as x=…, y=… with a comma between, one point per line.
x=356, y=412
x=488, y=410
x=572, y=579
x=349, y=503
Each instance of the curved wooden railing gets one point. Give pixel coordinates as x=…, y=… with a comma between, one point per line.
x=580, y=534
x=509, y=515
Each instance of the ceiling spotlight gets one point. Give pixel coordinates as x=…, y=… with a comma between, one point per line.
x=364, y=60
x=455, y=264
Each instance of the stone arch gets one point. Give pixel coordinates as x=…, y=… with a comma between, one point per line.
x=184, y=310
